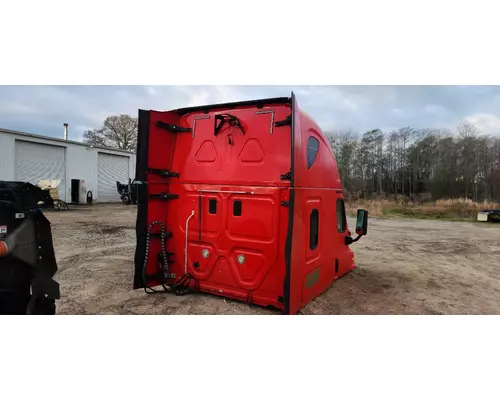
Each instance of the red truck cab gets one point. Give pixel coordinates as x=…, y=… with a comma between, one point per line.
x=242, y=200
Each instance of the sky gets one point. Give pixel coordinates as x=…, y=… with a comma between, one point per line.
x=43, y=109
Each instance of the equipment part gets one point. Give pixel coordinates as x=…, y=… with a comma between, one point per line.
x=27, y=258
x=262, y=179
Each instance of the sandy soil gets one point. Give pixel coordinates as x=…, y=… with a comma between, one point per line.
x=405, y=267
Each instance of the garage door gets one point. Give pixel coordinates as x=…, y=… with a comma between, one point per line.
x=111, y=168
x=35, y=162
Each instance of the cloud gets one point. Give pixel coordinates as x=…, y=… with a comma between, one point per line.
x=488, y=124
x=43, y=109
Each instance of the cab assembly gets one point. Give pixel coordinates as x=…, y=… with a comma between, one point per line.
x=242, y=200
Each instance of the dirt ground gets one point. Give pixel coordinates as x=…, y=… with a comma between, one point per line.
x=404, y=267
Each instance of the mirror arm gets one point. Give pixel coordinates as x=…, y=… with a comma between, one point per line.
x=355, y=240
x=349, y=240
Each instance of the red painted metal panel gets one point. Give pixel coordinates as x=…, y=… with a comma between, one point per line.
x=236, y=224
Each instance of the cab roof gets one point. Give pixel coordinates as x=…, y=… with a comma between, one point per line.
x=225, y=106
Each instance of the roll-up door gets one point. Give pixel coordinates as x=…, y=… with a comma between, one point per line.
x=111, y=168
x=37, y=161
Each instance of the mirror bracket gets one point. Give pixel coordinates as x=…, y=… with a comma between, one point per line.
x=349, y=240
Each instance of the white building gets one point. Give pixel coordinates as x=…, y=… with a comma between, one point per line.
x=80, y=167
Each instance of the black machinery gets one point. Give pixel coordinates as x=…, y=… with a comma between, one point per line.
x=27, y=258
x=127, y=192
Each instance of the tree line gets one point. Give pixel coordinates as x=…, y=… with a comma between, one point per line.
x=419, y=164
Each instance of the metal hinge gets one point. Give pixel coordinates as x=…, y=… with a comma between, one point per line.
x=172, y=127
x=164, y=196
x=163, y=172
x=168, y=235
x=285, y=203
x=169, y=260
x=287, y=176
x=284, y=122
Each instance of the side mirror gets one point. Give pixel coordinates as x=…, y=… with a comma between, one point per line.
x=361, y=227
x=362, y=222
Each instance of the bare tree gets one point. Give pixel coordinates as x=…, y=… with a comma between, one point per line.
x=344, y=145
x=118, y=131
x=420, y=164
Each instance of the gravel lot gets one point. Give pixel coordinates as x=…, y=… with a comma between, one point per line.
x=405, y=267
